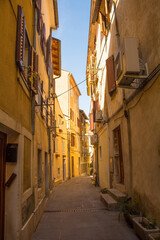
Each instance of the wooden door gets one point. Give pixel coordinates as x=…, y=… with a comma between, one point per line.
x=64, y=169
x=120, y=157
x=2, y=182
x=72, y=166
x=118, y=154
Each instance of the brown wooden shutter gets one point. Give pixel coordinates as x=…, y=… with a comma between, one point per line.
x=35, y=72
x=41, y=98
x=30, y=70
x=94, y=111
x=47, y=111
x=44, y=40
x=110, y=75
x=48, y=55
x=39, y=21
x=38, y=4
x=50, y=117
x=97, y=104
x=41, y=38
x=103, y=23
x=20, y=41
x=91, y=121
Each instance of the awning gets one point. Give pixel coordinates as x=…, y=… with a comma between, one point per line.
x=56, y=56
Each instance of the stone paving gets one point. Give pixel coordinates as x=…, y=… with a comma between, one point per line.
x=75, y=212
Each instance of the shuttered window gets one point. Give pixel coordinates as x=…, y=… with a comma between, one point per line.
x=71, y=115
x=48, y=55
x=20, y=42
x=39, y=21
x=78, y=122
x=39, y=15
x=73, y=140
x=103, y=23
x=35, y=72
x=25, y=55
x=56, y=145
x=38, y=4
x=110, y=75
x=43, y=39
x=41, y=96
x=91, y=121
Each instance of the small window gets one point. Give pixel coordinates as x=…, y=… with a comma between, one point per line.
x=63, y=146
x=56, y=145
x=59, y=171
x=72, y=140
x=100, y=152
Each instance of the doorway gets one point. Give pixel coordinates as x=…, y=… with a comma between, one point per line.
x=119, y=167
x=72, y=166
x=64, y=169
x=46, y=174
x=2, y=182
x=79, y=166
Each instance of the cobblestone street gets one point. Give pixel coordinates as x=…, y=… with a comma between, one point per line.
x=75, y=212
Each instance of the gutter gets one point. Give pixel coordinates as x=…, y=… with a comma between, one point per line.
x=55, y=6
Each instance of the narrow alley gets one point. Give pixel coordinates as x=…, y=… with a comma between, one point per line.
x=75, y=212
x=80, y=120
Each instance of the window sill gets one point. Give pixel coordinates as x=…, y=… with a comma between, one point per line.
x=26, y=194
x=21, y=81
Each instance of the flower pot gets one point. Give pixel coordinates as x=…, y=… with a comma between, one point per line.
x=141, y=230
x=154, y=236
x=129, y=219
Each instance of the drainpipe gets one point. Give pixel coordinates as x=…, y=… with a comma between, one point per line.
x=49, y=131
x=97, y=167
x=33, y=95
x=69, y=149
x=126, y=113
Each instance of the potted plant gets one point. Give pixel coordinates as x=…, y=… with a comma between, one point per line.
x=143, y=227
x=154, y=236
x=130, y=209
x=104, y=190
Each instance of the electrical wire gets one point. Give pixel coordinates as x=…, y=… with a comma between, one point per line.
x=76, y=85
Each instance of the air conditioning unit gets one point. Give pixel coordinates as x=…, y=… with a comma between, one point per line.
x=128, y=66
x=99, y=115
x=94, y=139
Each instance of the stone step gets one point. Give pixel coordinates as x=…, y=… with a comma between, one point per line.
x=110, y=203
x=116, y=194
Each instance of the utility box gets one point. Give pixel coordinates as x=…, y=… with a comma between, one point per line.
x=94, y=139
x=131, y=54
x=99, y=116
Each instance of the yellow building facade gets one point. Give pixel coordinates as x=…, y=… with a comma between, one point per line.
x=68, y=96
x=25, y=113
x=84, y=140
x=60, y=164
x=74, y=128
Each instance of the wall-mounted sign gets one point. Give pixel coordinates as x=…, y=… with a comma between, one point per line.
x=11, y=152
